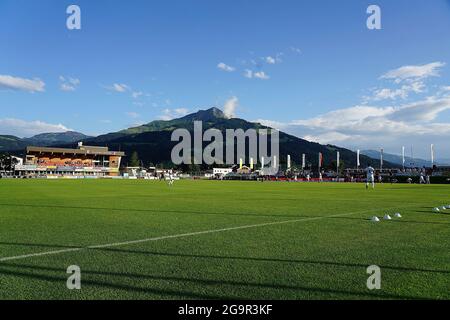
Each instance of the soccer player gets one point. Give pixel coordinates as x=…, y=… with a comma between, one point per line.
x=171, y=180
x=370, y=176
x=422, y=178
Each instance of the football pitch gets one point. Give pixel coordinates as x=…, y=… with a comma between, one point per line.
x=221, y=240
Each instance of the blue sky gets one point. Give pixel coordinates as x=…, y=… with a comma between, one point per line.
x=311, y=68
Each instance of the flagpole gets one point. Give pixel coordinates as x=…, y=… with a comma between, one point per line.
x=381, y=159
x=320, y=161
x=403, y=157
x=337, y=163
x=432, y=155
x=357, y=159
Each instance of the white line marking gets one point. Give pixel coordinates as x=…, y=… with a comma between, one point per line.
x=39, y=254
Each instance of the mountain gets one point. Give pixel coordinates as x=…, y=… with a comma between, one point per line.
x=8, y=143
x=210, y=117
x=47, y=139
x=409, y=162
x=153, y=143
x=12, y=143
x=443, y=162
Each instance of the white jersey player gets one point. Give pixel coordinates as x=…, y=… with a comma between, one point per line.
x=171, y=180
x=422, y=178
x=370, y=176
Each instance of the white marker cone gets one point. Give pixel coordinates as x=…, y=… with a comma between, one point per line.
x=375, y=219
x=398, y=215
x=387, y=217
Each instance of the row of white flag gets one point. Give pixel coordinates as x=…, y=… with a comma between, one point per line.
x=320, y=160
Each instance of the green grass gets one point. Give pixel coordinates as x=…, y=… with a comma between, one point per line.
x=322, y=257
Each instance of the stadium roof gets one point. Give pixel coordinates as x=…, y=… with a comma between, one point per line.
x=84, y=150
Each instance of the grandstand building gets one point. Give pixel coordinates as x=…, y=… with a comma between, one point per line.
x=84, y=161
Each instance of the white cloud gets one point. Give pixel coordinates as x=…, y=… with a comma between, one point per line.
x=257, y=75
x=352, y=115
x=403, y=92
x=224, y=67
x=230, y=106
x=119, y=87
x=22, y=84
x=273, y=59
x=261, y=75
x=425, y=111
x=134, y=93
x=169, y=114
x=414, y=72
x=248, y=74
x=74, y=81
x=412, y=79
x=23, y=128
x=327, y=137
x=405, y=119
x=270, y=60
x=66, y=87
x=68, y=84
x=181, y=111
x=273, y=124
x=372, y=127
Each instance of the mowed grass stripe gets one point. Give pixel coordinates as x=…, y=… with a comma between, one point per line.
x=190, y=234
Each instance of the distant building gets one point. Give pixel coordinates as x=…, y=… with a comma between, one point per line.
x=83, y=161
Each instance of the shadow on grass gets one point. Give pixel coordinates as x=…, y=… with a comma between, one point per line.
x=218, y=257
x=277, y=260
x=115, y=286
x=31, y=272
x=157, y=211
x=42, y=245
